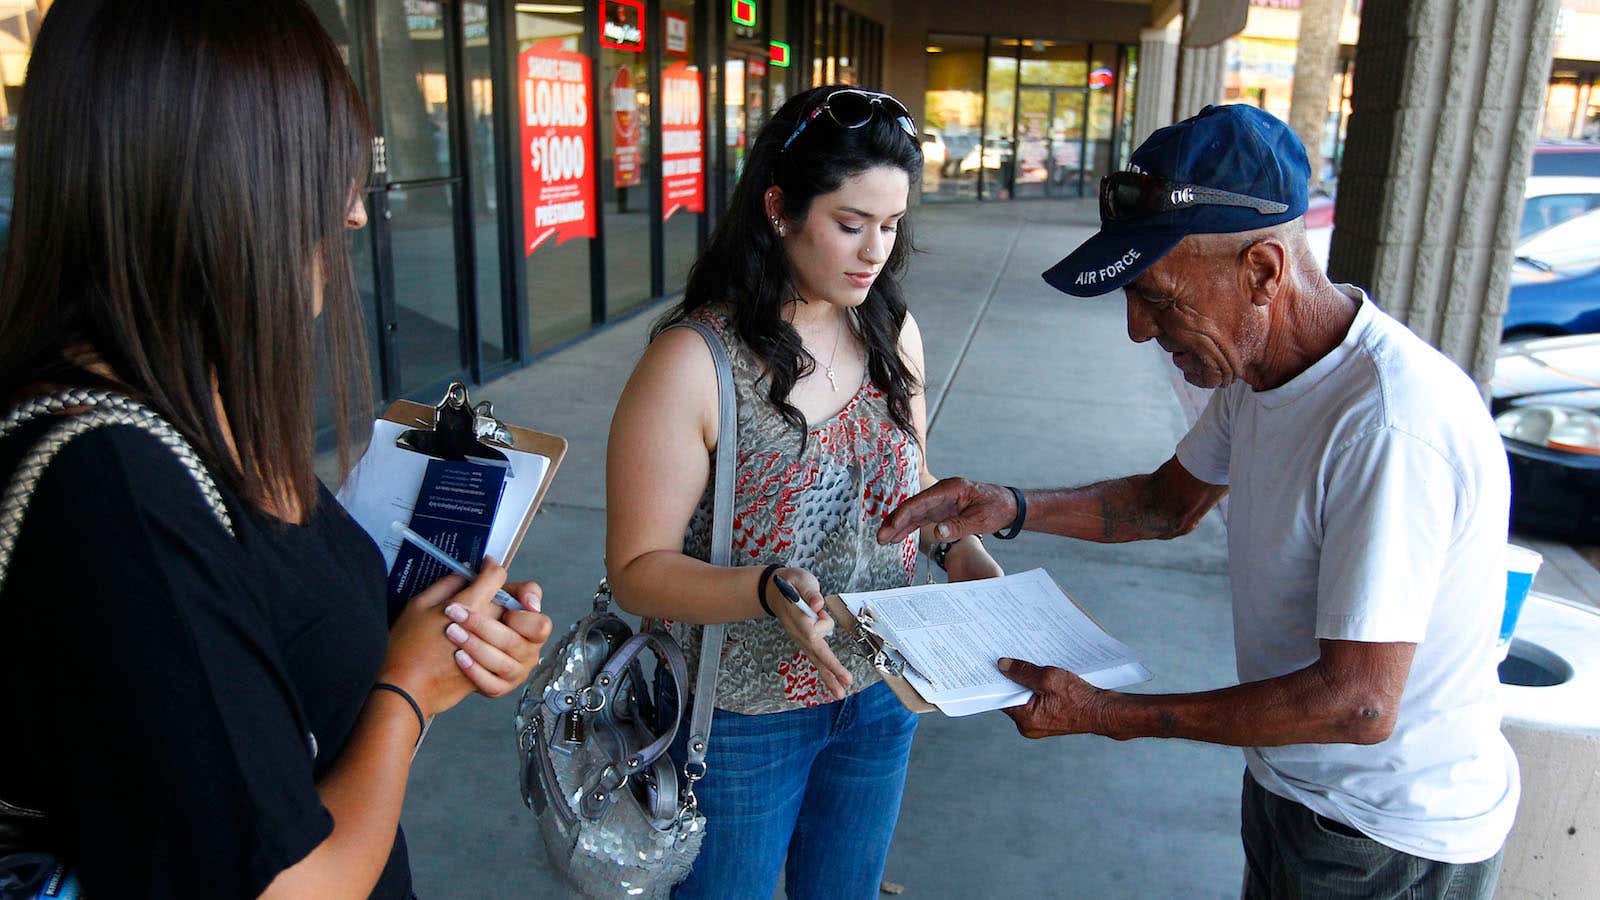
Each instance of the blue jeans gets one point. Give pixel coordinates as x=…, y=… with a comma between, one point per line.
x=814, y=792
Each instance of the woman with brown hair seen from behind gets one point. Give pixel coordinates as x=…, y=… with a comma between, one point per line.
x=206, y=696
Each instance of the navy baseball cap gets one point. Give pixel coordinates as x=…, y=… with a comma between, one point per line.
x=1237, y=149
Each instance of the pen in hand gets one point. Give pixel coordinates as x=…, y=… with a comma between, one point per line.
x=793, y=596
x=449, y=562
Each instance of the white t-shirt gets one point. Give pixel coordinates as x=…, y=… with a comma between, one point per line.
x=1369, y=503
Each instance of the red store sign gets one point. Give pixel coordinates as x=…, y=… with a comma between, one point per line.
x=682, y=156
x=557, y=183
x=625, y=121
x=622, y=25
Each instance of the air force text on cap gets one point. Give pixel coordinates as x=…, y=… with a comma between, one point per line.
x=1116, y=268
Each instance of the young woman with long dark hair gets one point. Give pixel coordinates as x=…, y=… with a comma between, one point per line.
x=808, y=747
x=207, y=698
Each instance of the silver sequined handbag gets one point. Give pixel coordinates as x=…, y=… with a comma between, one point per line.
x=20, y=826
x=616, y=819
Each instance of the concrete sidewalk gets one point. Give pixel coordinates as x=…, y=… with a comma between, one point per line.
x=1026, y=387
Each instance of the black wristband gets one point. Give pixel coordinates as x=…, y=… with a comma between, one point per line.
x=1015, y=528
x=422, y=723
x=761, y=588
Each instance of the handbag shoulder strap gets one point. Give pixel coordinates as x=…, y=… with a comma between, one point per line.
x=721, y=541
x=104, y=409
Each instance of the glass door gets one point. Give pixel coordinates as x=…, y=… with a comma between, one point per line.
x=422, y=234
x=1033, y=160
x=1066, y=155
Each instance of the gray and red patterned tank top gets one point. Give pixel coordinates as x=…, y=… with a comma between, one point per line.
x=816, y=508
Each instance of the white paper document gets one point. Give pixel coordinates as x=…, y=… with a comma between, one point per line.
x=382, y=488
x=952, y=636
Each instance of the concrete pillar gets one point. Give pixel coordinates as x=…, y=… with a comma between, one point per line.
x=1316, y=58
x=1446, y=105
x=1157, y=78
x=1200, y=78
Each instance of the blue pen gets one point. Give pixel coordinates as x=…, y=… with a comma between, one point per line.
x=449, y=562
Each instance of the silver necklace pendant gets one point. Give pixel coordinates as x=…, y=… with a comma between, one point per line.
x=828, y=371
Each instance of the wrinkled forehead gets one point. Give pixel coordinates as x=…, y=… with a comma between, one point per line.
x=1196, y=258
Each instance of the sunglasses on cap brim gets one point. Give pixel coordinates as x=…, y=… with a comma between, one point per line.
x=1131, y=195
x=852, y=108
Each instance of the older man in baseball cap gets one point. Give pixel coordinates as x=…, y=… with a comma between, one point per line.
x=1367, y=530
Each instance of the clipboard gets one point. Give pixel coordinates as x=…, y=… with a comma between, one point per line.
x=488, y=433
x=1088, y=648
x=463, y=431
x=877, y=651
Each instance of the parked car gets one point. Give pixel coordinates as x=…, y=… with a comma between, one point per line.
x=996, y=156
x=1547, y=201
x=1545, y=398
x=1555, y=281
x=934, y=152
x=1566, y=158
x=957, y=146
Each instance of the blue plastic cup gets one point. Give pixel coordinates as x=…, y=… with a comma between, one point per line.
x=1521, y=565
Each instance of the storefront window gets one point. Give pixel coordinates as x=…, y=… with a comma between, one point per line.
x=682, y=144
x=821, y=71
x=557, y=271
x=478, y=72
x=1261, y=73
x=333, y=16
x=1127, y=91
x=953, y=117
x=1053, y=116
x=1560, y=108
x=847, y=70
x=623, y=85
x=1053, y=63
x=999, y=117
x=744, y=81
x=19, y=19
x=777, y=12
x=1102, y=115
x=1052, y=103
x=421, y=224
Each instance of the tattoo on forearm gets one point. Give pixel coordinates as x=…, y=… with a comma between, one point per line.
x=1142, y=514
x=1166, y=724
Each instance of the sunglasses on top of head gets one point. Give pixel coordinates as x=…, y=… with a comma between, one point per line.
x=1132, y=195
x=853, y=108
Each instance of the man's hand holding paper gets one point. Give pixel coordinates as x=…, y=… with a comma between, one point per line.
x=1062, y=703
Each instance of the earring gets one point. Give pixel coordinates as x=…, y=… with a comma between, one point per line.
x=778, y=226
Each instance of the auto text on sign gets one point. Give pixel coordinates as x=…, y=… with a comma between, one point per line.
x=682, y=156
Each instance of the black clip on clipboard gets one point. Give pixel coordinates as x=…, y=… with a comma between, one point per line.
x=459, y=432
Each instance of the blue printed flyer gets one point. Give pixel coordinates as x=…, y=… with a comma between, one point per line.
x=455, y=511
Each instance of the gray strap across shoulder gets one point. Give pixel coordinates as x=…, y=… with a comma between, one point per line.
x=705, y=691
x=104, y=409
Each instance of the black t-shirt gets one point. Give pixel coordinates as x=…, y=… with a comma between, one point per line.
x=174, y=693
